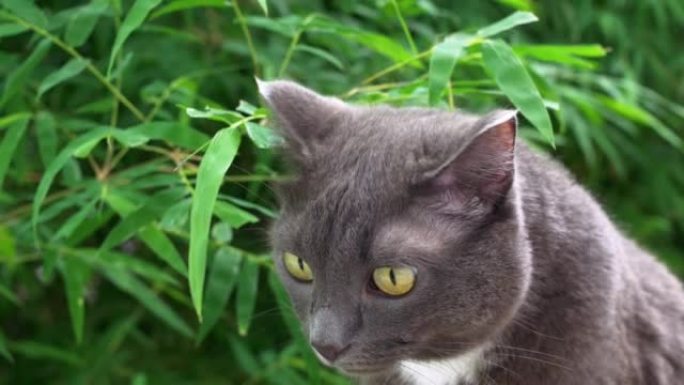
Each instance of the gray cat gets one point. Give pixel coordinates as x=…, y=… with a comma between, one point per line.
x=422, y=246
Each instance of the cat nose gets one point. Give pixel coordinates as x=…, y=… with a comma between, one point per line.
x=328, y=351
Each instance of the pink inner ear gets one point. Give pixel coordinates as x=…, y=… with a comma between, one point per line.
x=483, y=170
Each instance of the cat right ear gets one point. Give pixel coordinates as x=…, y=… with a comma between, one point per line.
x=479, y=174
x=304, y=117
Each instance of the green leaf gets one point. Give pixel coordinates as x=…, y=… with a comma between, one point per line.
x=8, y=248
x=134, y=19
x=222, y=277
x=234, y=215
x=27, y=10
x=512, y=77
x=163, y=247
x=38, y=350
x=325, y=55
x=72, y=68
x=82, y=22
x=152, y=236
x=264, y=6
x=4, y=290
x=244, y=357
x=75, y=220
x=178, y=134
x=9, y=145
x=17, y=79
x=142, y=216
x=75, y=273
x=442, y=63
x=293, y=326
x=46, y=135
x=215, y=163
x=131, y=285
x=130, y=138
x=262, y=137
x=222, y=232
x=180, y=5
x=3, y=348
x=57, y=164
x=216, y=114
x=12, y=29
x=248, y=283
x=509, y=22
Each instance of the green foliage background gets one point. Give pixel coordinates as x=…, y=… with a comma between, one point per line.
x=120, y=118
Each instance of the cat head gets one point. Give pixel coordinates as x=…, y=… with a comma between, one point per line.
x=400, y=236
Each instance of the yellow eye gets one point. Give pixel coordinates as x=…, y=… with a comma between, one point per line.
x=394, y=281
x=297, y=267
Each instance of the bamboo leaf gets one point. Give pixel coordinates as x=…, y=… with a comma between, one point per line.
x=46, y=135
x=233, y=215
x=222, y=277
x=27, y=10
x=264, y=6
x=175, y=133
x=12, y=29
x=72, y=68
x=262, y=137
x=131, y=285
x=38, y=350
x=75, y=220
x=294, y=327
x=17, y=79
x=509, y=22
x=3, y=348
x=57, y=164
x=248, y=283
x=9, y=145
x=512, y=77
x=215, y=163
x=180, y=5
x=75, y=273
x=442, y=63
x=134, y=19
x=82, y=22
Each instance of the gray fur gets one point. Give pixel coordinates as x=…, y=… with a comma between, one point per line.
x=510, y=251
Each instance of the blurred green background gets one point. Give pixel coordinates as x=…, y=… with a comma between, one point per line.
x=119, y=119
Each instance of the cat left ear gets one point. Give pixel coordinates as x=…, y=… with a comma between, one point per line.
x=482, y=172
x=304, y=117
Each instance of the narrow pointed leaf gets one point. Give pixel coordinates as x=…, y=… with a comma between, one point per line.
x=222, y=277
x=9, y=144
x=134, y=19
x=16, y=80
x=57, y=164
x=442, y=63
x=512, y=77
x=248, y=283
x=82, y=23
x=144, y=215
x=27, y=10
x=75, y=220
x=46, y=135
x=131, y=285
x=72, y=68
x=215, y=163
x=3, y=348
x=75, y=273
x=294, y=326
x=509, y=22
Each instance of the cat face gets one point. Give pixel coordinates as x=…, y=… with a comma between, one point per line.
x=401, y=237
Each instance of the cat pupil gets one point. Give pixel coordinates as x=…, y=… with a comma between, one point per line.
x=300, y=263
x=392, y=277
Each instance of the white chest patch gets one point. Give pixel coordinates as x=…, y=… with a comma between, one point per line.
x=452, y=371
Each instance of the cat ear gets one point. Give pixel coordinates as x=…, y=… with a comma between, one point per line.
x=304, y=117
x=482, y=172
